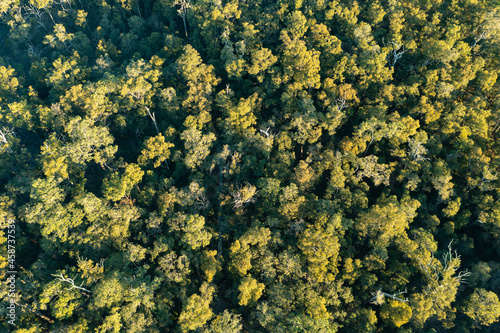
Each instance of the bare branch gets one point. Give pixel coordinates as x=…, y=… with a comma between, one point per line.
x=61, y=278
x=184, y=6
x=153, y=118
x=2, y=136
x=378, y=297
x=244, y=195
x=397, y=53
x=341, y=103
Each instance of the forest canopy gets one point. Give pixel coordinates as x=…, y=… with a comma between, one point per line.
x=250, y=165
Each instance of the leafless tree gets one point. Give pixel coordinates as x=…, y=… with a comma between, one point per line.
x=32, y=11
x=34, y=51
x=61, y=278
x=64, y=4
x=244, y=195
x=201, y=202
x=153, y=118
x=3, y=137
x=184, y=5
x=417, y=150
x=435, y=272
x=268, y=133
x=378, y=297
x=397, y=52
x=489, y=28
x=341, y=103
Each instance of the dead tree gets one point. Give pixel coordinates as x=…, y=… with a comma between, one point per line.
x=396, y=53
x=184, y=6
x=153, y=118
x=3, y=138
x=61, y=278
x=378, y=297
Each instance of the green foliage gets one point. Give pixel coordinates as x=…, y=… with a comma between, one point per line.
x=110, y=292
x=262, y=60
x=193, y=231
x=263, y=166
x=240, y=117
x=118, y=186
x=320, y=248
x=247, y=247
x=200, y=80
x=155, y=149
x=396, y=312
x=210, y=265
x=197, y=310
x=250, y=291
x=197, y=146
x=225, y=323
x=483, y=307
x=387, y=220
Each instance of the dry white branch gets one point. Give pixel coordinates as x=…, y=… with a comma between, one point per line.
x=396, y=53
x=61, y=278
x=3, y=138
x=341, y=103
x=184, y=5
x=378, y=297
x=244, y=195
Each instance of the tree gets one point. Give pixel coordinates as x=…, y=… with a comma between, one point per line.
x=8, y=83
x=250, y=291
x=60, y=39
x=139, y=83
x=156, y=149
x=290, y=201
x=262, y=61
x=488, y=28
x=244, y=195
x=92, y=272
x=197, y=146
x=210, y=264
x=240, y=117
x=379, y=173
x=54, y=218
x=174, y=268
x=320, y=247
x=226, y=322
x=333, y=146
x=116, y=186
x=109, y=292
x=246, y=248
x=193, y=231
x=304, y=175
x=88, y=142
x=5, y=6
x=66, y=72
x=184, y=5
x=387, y=220
x=440, y=179
x=483, y=307
x=306, y=123
x=66, y=301
x=18, y=114
x=443, y=281
x=234, y=64
x=300, y=66
x=200, y=80
x=196, y=312
x=396, y=312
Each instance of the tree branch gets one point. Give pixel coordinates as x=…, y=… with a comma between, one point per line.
x=61, y=278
